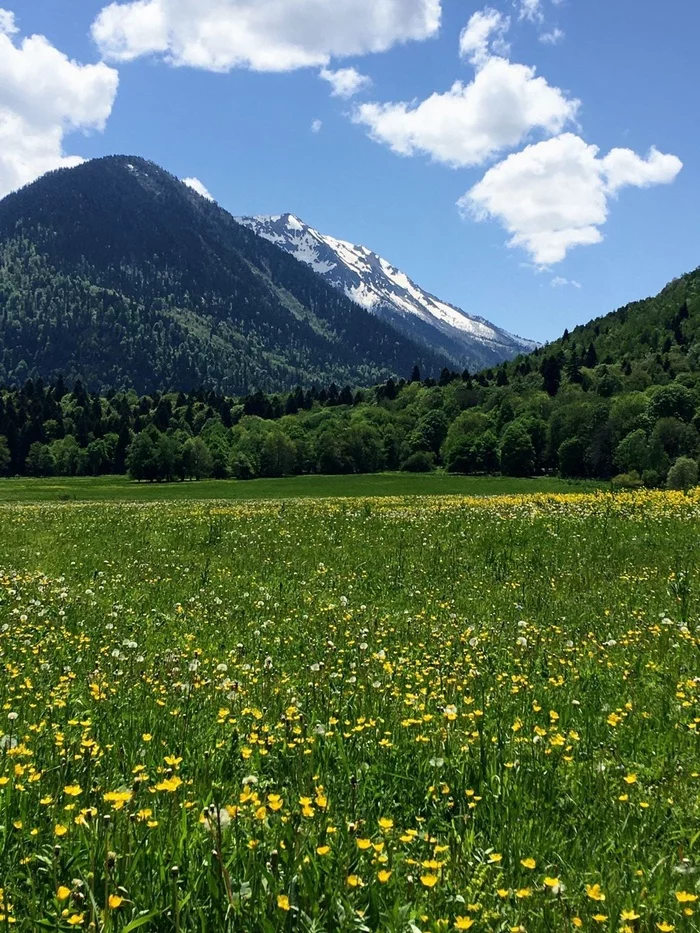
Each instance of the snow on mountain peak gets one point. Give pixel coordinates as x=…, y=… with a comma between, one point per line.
x=378, y=286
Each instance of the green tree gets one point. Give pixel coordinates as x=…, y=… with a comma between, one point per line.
x=572, y=458
x=517, y=451
x=632, y=454
x=5, y=456
x=198, y=461
x=683, y=474
x=142, y=458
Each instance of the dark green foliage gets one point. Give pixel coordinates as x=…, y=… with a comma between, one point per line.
x=117, y=274
x=683, y=474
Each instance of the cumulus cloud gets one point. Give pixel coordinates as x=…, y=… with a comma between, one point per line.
x=346, y=82
x=471, y=123
x=317, y=126
x=43, y=96
x=196, y=185
x=265, y=35
x=484, y=34
x=554, y=195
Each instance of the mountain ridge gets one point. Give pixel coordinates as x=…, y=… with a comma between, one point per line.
x=380, y=287
x=117, y=273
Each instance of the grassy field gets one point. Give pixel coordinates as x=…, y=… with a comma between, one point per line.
x=394, y=715
x=297, y=487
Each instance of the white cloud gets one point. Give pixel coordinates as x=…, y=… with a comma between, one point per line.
x=317, y=126
x=265, y=35
x=346, y=82
x=532, y=10
x=553, y=196
x=484, y=33
x=196, y=185
x=560, y=282
x=43, y=96
x=471, y=123
x=553, y=37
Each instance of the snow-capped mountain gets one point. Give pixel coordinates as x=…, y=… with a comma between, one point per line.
x=376, y=285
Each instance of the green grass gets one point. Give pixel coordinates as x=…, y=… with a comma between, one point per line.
x=120, y=488
x=349, y=715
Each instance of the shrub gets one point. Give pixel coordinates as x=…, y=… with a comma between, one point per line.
x=419, y=462
x=630, y=480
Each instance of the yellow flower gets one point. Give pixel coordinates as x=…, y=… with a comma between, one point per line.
x=364, y=844
x=115, y=901
x=283, y=902
x=503, y=893
x=60, y=830
x=118, y=798
x=523, y=892
x=630, y=779
x=76, y=920
x=528, y=863
x=386, y=824
x=629, y=915
x=383, y=876
x=463, y=923
x=684, y=897
x=577, y=922
x=665, y=927
x=73, y=790
x=551, y=882
x=275, y=802
x=429, y=881
x=495, y=857
x=323, y=850
x=170, y=785
x=261, y=813
x=147, y=737
x=600, y=918
x=355, y=881
x=594, y=892
x=63, y=893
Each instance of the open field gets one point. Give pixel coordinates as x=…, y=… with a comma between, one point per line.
x=397, y=714
x=120, y=488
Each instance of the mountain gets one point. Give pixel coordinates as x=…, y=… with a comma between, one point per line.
x=374, y=284
x=117, y=273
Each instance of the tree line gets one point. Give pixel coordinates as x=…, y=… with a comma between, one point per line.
x=559, y=410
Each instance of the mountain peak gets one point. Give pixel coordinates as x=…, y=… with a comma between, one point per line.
x=380, y=287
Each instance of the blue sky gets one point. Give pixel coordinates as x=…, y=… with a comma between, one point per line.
x=246, y=131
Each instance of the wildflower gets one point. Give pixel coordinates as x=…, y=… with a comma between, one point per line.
x=364, y=844
x=495, y=858
x=630, y=779
x=283, y=902
x=275, y=802
x=383, y=876
x=115, y=901
x=600, y=918
x=355, y=881
x=629, y=915
x=429, y=881
x=118, y=798
x=463, y=923
x=386, y=824
x=551, y=882
x=594, y=892
x=76, y=920
x=170, y=785
x=528, y=863
x=323, y=850
x=665, y=927
x=523, y=892
x=684, y=897
x=73, y=790
x=63, y=893
x=60, y=830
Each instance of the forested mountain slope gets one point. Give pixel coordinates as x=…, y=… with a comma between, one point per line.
x=118, y=274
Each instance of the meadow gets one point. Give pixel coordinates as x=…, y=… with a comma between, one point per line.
x=398, y=714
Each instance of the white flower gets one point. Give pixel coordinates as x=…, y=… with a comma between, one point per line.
x=522, y=641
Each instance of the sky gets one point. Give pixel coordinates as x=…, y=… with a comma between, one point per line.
x=534, y=162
